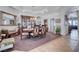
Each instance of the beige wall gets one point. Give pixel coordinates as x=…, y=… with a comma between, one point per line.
x=9, y=28
x=0, y=18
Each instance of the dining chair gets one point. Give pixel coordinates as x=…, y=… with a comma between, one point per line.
x=43, y=31
x=40, y=31
x=23, y=33
x=35, y=32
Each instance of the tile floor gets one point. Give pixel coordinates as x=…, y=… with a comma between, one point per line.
x=73, y=39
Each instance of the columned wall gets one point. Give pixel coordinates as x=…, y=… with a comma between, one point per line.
x=78, y=19
x=64, y=24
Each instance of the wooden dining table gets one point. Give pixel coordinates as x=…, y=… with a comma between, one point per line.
x=29, y=30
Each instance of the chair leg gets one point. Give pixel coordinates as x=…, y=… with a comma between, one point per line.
x=21, y=37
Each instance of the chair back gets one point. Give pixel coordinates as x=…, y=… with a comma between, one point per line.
x=36, y=31
x=43, y=30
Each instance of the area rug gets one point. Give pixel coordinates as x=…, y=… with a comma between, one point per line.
x=28, y=44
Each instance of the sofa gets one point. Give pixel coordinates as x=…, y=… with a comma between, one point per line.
x=7, y=44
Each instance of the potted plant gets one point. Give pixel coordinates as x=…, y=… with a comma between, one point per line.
x=58, y=30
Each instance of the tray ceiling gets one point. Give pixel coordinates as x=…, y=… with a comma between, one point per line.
x=42, y=10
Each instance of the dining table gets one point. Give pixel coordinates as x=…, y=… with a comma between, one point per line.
x=29, y=31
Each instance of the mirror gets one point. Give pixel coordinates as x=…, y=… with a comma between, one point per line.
x=8, y=19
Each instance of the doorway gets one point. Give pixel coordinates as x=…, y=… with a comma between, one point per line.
x=73, y=32
x=73, y=24
x=52, y=23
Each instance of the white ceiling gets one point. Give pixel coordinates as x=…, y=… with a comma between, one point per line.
x=42, y=10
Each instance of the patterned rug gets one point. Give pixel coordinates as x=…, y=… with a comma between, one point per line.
x=27, y=44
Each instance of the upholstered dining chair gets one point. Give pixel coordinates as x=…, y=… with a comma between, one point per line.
x=35, y=32
x=40, y=31
x=23, y=33
x=43, y=30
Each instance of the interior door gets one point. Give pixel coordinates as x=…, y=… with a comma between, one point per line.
x=52, y=25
